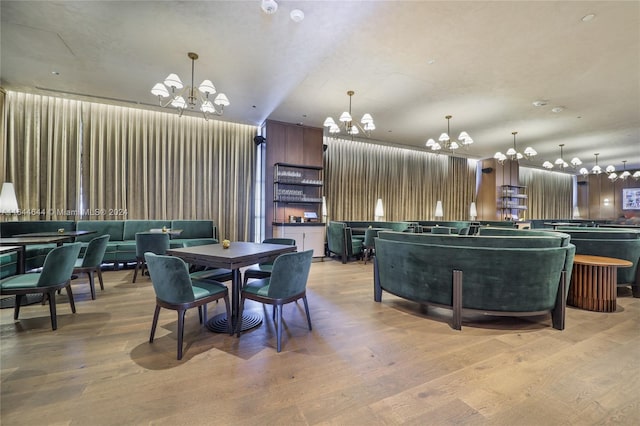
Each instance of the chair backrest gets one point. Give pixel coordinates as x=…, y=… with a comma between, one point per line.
x=369, y=235
x=282, y=241
x=58, y=265
x=464, y=231
x=170, y=278
x=289, y=275
x=154, y=242
x=94, y=253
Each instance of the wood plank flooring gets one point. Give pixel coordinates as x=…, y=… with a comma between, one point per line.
x=364, y=363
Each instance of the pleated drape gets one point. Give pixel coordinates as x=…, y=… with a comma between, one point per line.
x=82, y=160
x=549, y=194
x=42, y=154
x=408, y=182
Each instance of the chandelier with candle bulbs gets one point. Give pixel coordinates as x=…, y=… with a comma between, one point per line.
x=514, y=154
x=184, y=97
x=366, y=125
x=445, y=142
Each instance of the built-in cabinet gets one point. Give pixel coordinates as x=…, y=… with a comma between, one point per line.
x=296, y=188
x=512, y=202
x=307, y=236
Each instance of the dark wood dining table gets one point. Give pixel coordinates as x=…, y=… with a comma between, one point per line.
x=238, y=255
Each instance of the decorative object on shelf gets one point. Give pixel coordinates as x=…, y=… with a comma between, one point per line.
x=445, y=142
x=513, y=153
x=8, y=200
x=379, y=211
x=193, y=98
x=439, y=213
x=269, y=6
x=575, y=161
x=473, y=211
x=352, y=128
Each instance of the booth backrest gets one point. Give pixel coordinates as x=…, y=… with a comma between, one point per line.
x=506, y=241
x=9, y=229
x=132, y=227
x=195, y=228
x=498, y=231
x=394, y=226
x=114, y=228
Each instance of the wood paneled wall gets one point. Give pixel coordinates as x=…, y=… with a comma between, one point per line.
x=599, y=198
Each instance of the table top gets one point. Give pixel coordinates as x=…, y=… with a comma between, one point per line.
x=238, y=255
x=66, y=234
x=587, y=259
x=21, y=241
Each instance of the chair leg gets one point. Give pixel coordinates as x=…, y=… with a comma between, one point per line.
x=52, y=309
x=180, y=332
x=70, y=297
x=306, y=308
x=156, y=314
x=279, y=326
x=92, y=285
x=200, y=314
x=16, y=309
x=135, y=271
x=99, y=273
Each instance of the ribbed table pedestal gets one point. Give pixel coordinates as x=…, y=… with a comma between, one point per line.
x=594, y=282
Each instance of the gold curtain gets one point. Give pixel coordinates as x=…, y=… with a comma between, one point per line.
x=549, y=194
x=408, y=182
x=42, y=154
x=130, y=163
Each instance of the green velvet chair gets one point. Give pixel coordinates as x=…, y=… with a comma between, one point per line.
x=91, y=262
x=175, y=290
x=55, y=275
x=215, y=274
x=368, y=244
x=154, y=242
x=287, y=283
x=441, y=230
x=263, y=270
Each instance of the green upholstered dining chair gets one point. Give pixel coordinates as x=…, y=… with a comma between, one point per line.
x=216, y=274
x=464, y=230
x=55, y=275
x=368, y=244
x=154, y=242
x=287, y=283
x=175, y=290
x=91, y=262
x=263, y=270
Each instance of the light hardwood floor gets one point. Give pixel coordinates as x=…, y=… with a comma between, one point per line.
x=364, y=363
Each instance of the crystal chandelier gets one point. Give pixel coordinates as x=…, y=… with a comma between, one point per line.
x=194, y=100
x=445, y=142
x=575, y=161
x=352, y=128
x=514, y=154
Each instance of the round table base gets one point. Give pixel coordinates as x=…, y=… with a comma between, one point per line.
x=218, y=324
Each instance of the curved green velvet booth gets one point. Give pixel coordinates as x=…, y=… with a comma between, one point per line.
x=508, y=281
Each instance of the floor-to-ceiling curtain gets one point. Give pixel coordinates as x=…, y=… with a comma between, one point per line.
x=409, y=182
x=42, y=154
x=549, y=194
x=83, y=160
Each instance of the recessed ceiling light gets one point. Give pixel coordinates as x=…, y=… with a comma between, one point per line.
x=296, y=15
x=540, y=103
x=431, y=61
x=55, y=72
x=589, y=17
x=557, y=109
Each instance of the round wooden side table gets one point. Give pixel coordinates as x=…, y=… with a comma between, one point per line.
x=594, y=282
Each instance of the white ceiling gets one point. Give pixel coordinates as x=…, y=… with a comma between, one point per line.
x=409, y=62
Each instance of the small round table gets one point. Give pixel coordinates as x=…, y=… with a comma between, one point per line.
x=594, y=282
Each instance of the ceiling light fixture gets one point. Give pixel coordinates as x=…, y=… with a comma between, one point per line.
x=596, y=170
x=625, y=174
x=296, y=15
x=575, y=161
x=352, y=128
x=445, y=142
x=513, y=152
x=269, y=6
x=194, y=98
